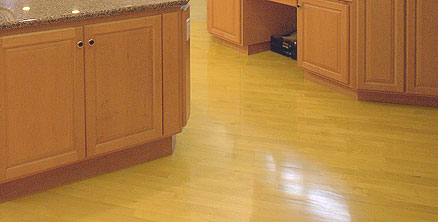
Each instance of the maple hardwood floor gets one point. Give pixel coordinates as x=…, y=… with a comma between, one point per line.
x=263, y=144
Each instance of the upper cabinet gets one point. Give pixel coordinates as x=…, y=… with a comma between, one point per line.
x=41, y=101
x=381, y=45
x=422, y=47
x=123, y=83
x=224, y=19
x=324, y=38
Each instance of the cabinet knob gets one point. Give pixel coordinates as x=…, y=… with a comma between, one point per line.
x=91, y=42
x=80, y=44
x=298, y=6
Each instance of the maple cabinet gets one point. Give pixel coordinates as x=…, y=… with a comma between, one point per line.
x=422, y=47
x=41, y=101
x=381, y=42
x=224, y=19
x=372, y=50
x=247, y=25
x=383, y=51
x=324, y=38
x=123, y=83
x=185, y=46
x=398, y=44
x=71, y=94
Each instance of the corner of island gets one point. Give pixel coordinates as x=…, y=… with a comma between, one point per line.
x=89, y=87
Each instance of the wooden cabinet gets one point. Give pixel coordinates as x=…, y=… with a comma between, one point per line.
x=123, y=84
x=186, y=66
x=286, y=2
x=176, y=71
x=99, y=84
x=392, y=32
x=224, y=19
x=247, y=25
x=422, y=47
x=324, y=39
x=41, y=101
x=381, y=45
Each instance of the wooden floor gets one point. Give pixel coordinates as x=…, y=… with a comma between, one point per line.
x=263, y=144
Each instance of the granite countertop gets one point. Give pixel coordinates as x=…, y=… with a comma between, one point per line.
x=24, y=13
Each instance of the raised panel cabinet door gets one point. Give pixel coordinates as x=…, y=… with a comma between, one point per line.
x=324, y=39
x=224, y=19
x=123, y=79
x=422, y=44
x=42, y=116
x=381, y=45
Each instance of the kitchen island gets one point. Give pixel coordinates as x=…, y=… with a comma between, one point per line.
x=88, y=87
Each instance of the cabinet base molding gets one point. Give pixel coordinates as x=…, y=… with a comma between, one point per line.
x=374, y=96
x=247, y=50
x=86, y=169
x=337, y=87
x=397, y=98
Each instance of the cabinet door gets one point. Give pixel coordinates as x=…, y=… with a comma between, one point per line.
x=422, y=44
x=324, y=39
x=42, y=117
x=381, y=45
x=223, y=19
x=123, y=79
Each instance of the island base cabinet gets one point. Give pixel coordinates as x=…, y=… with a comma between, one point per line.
x=41, y=101
x=123, y=84
x=185, y=15
x=74, y=95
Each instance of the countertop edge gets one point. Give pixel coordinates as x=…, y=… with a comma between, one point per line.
x=88, y=15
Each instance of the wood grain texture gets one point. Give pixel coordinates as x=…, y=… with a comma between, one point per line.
x=247, y=49
x=324, y=39
x=397, y=98
x=249, y=23
x=3, y=133
x=186, y=89
x=224, y=19
x=422, y=47
x=86, y=169
x=330, y=84
x=264, y=144
x=124, y=84
x=262, y=19
x=172, y=74
x=382, y=45
x=286, y=2
x=42, y=101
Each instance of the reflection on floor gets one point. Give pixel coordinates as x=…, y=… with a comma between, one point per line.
x=263, y=144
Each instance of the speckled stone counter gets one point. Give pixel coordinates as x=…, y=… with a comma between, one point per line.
x=24, y=13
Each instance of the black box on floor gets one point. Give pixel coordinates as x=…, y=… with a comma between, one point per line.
x=285, y=44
